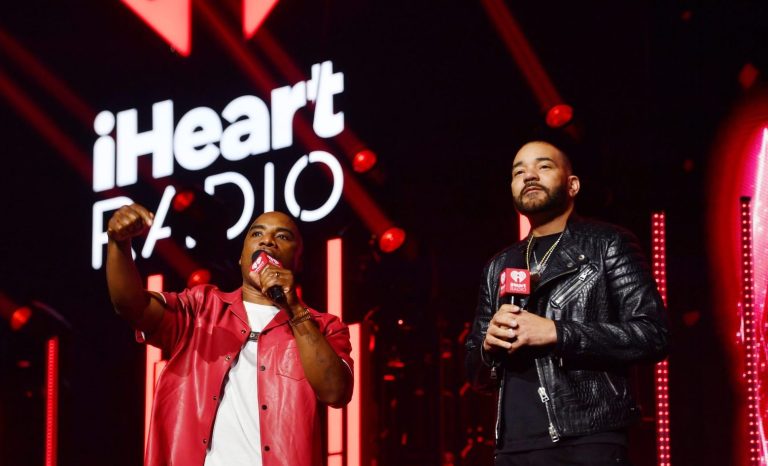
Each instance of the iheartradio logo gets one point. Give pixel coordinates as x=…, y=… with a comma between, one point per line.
x=518, y=275
x=261, y=259
x=515, y=281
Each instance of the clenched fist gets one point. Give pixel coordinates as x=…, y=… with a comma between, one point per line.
x=129, y=221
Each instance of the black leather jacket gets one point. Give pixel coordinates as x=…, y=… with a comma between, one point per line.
x=599, y=290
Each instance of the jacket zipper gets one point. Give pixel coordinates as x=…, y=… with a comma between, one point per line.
x=610, y=383
x=553, y=434
x=498, y=410
x=558, y=301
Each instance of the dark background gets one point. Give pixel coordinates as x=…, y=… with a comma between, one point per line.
x=430, y=87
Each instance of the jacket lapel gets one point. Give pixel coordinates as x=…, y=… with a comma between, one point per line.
x=564, y=260
x=235, y=301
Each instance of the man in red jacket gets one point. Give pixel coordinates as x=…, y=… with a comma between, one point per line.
x=248, y=370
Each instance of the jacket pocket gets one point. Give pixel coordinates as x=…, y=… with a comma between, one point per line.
x=571, y=288
x=288, y=362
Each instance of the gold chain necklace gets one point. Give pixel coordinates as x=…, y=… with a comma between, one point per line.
x=539, y=265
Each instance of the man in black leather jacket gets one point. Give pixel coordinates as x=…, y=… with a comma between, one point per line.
x=558, y=359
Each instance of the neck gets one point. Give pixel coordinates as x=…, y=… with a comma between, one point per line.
x=548, y=223
x=252, y=295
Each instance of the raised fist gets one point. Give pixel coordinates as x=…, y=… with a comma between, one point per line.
x=129, y=221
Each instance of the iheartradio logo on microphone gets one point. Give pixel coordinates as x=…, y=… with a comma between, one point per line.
x=515, y=281
x=261, y=259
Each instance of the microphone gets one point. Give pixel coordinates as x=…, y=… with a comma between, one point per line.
x=260, y=259
x=514, y=282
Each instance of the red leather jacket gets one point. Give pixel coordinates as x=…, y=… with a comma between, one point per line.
x=204, y=330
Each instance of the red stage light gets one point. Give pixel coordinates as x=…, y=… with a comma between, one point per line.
x=20, y=317
x=392, y=239
x=559, y=115
x=154, y=363
x=364, y=161
x=182, y=200
x=199, y=277
x=171, y=20
x=659, y=267
x=52, y=402
x=748, y=75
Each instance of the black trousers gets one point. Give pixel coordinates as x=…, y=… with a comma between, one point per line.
x=589, y=454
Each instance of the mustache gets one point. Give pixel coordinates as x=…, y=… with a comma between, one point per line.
x=533, y=185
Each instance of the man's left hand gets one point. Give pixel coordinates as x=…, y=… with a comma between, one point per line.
x=273, y=275
x=531, y=330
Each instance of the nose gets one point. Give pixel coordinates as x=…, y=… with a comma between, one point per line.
x=267, y=240
x=530, y=175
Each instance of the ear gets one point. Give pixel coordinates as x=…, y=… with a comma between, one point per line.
x=574, y=185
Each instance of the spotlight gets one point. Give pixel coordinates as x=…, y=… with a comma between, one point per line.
x=391, y=239
x=20, y=317
x=364, y=161
x=37, y=319
x=183, y=199
x=748, y=76
x=559, y=115
x=199, y=277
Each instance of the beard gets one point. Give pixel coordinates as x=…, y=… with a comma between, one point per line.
x=553, y=201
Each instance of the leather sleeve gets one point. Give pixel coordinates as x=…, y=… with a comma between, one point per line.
x=336, y=333
x=638, y=330
x=180, y=311
x=482, y=374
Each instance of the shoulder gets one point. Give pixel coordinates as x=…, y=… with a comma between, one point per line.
x=327, y=321
x=198, y=294
x=208, y=291
x=593, y=229
x=501, y=257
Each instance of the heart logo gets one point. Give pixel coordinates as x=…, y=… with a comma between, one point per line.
x=518, y=275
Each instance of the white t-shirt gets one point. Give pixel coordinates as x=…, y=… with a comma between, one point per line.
x=236, y=438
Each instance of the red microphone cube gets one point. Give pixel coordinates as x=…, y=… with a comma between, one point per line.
x=515, y=282
x=262, y=260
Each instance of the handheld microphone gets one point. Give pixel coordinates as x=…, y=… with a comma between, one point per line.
x=514, y=282
x=260, y=259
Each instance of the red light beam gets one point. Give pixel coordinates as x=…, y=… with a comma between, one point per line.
x=55, y=86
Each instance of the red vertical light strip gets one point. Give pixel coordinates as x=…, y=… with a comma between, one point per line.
x=154, y=364
x=748, y=324
x=658, y=237
x=354, y=409
x=334, y=270
x=51, y=401
x=525, y=226
x=335, y=446
x=759, y=246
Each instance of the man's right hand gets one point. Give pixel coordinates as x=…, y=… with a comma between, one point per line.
x=512, y=327
x=129, y=221
x=501, y=329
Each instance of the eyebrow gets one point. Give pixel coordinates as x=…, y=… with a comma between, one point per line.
x=538, y=159
x=280, y=229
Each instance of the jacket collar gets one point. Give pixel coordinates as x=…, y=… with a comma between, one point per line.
x=567, y=257
x=235, y=301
